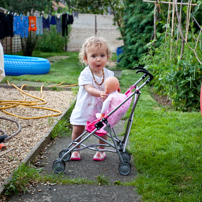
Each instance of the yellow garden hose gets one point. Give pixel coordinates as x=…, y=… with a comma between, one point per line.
x=23, y=103
x=59, y=85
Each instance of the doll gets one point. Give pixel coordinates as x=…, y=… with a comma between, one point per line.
x=114, y=98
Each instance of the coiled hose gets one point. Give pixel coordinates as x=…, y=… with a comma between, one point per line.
x=31, y=104
x=5, y=134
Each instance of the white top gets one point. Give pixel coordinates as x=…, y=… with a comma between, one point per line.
x=87, y=105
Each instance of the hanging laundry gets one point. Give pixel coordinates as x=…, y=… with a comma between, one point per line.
x=24, y=27
x=9, y=25
x=32, y=23
x=64, y=24
x=76, y=14
x=39, y=25
x=53, y=20
x=2, y=25
x=46, y=23
x=6, y=25
x=70, y=19
x=17, y=25
x=58, y=24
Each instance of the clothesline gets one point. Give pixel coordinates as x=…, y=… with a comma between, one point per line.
x=21, y=24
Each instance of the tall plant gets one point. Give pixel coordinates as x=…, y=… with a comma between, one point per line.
x=51, y=41
x=138, y=30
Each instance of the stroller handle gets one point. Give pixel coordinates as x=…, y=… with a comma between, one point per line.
x=141, y=69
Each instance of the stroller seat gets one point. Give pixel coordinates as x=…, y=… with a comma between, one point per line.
x=112, y=116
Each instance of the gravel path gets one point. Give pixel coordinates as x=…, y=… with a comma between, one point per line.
x=32, y=130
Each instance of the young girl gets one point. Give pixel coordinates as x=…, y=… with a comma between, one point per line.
x=95, y=53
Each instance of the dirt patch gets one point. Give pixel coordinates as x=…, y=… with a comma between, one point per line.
x=57, y=58
x=163, y=100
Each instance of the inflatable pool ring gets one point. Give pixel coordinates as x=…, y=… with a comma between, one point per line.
x=15, y=65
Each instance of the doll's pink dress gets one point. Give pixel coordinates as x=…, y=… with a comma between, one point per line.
x=112, y=101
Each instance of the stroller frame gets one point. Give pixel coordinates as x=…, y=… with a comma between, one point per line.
x=119, y=146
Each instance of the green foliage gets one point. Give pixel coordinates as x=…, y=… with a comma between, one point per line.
x=102, y=180
x=51, y=41
x=63, y=127
x=166, y=150
x=22, y=177
x=25, y=176
x=24, y=6
x=179, y=79
x=137, y=29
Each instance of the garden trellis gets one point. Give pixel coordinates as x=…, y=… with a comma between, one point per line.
x=176, y=14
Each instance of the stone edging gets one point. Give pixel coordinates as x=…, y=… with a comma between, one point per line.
x=38, y=147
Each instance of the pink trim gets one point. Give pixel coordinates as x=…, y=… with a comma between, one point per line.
x=90, y=127
x=100, y=159
x=76, y=159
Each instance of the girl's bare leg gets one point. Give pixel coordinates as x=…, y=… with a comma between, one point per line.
x=77, y=131
x=102, y=142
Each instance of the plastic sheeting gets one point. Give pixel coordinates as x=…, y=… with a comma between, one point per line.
x=2, y=72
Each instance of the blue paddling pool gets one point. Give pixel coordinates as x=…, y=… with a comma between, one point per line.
x=15, y=65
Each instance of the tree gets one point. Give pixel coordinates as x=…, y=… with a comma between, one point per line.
x=24, y=6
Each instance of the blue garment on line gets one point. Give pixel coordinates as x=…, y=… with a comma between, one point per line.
x=17, y=25
x=39, y=25
x=24, y=27
x=46, y=23
x=21, y=26
x=52, y=20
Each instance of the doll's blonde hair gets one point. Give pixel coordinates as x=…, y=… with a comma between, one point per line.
x=93, y=41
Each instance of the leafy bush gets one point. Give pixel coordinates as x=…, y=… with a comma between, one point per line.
x=138, y=29
x=51, y=41
x=179, y=79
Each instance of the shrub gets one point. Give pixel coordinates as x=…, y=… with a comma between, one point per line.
x=179, y=79
x=51, y=41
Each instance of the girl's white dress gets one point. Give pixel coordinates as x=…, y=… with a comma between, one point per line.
x=87, y=105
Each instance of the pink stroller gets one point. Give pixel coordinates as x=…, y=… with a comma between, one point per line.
x=104, y=126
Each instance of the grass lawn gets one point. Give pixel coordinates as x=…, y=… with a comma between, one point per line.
x=166, y=145
x=167, y=150
x=66, y=70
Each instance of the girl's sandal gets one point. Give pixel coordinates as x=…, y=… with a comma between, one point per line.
x=75, y=156
x=99, y=156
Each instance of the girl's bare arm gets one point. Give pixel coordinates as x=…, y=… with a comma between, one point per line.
x=95, y=92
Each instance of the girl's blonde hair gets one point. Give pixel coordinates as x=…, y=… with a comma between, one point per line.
x=93, y=42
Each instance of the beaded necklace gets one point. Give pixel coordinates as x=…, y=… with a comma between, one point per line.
x=103, y=73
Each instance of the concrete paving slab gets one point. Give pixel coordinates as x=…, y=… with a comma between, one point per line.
x=79, y=193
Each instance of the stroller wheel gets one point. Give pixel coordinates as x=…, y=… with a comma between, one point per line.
x=58, y=166
x=126, y=156
x=67, y=156
x=124, y=168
